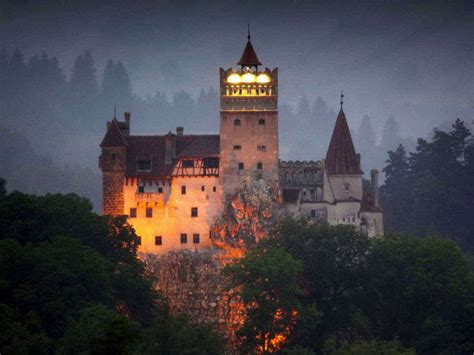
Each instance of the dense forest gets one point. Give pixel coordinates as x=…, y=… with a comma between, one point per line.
x=52, y=122
x=71, y=283
x=331, y=290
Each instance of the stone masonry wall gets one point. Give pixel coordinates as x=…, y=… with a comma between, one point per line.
x=112, y=195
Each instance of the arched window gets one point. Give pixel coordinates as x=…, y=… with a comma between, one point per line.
x=237, y=122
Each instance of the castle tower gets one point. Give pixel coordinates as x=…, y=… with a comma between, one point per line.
x=248, y=121
x=342, y=164
x=112, y=162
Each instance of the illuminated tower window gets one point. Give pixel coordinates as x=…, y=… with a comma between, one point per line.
x=149, y=212
x=158, y=240
x=133, y=213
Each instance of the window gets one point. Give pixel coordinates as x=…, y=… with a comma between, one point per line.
x=237, y=147
x=347, y=187
x=149, y=212
x=183, y=190
x=188, y=163
x=214, y=189
x=211, y=163
x=259, y=166
x=158, y=240
x=139, y=240
x=133, y=213
x=313, y=213
x=241, y=166
x=262, y=148
x=261, y=122
x=203, y=188
x=160, y=190
x=184, y=238
x=141, y=189
x=113, y=156
x=237, y=122
x=144, y=165
x=196, y=238
x=194, y=211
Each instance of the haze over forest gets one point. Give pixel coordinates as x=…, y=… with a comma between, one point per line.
x=405, y=67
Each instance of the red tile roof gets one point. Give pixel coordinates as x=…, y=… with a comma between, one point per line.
x=249, y=57
x=341, y=157
x=153, y=147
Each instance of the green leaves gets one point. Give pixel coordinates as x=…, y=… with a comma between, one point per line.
x=355, y=295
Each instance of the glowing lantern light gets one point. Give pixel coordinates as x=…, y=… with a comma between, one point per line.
x=233, y=78
x=248, y=78
x=263, y=78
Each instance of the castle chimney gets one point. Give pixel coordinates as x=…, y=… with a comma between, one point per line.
x=179, y=131
x=170, y=148
x=374, y=174
x=358, y=159
x=126, y=116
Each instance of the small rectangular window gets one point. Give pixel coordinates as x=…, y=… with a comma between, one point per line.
x=144, y=165
x=139, y=240
x=203, y=188
x=241, y=166
x=313, y=213
x=160, y=190
x=188, y=163
x=262, y=148
x=114, y=156
x=214, y=189
x=183, y=190
x=149, y=212
x=194, y=211
x=261, y=122
x=141, y=189
x=259, y=166
x=196, y=239
x=237, y=147
x=133, y=213
x=158, y=240
x=184, y=238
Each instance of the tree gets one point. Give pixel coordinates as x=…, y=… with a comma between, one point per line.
x=391, y=137
x=83, y=80
x=266, y=279
x=352, y=294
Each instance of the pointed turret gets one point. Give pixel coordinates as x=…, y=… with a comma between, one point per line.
x=114, y=136
x=249, y=57
x=341, y=157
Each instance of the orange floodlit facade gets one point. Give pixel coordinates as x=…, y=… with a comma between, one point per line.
x=173, y=187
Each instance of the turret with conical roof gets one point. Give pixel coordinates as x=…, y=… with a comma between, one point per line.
x=249, y=57
x=341, y=157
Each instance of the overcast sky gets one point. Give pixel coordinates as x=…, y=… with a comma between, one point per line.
x=412, y=59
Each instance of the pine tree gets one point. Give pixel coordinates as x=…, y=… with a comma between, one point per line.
x=391, y=137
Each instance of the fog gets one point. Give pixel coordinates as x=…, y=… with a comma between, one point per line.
x=405, y=68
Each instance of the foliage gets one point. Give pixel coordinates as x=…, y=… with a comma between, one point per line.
x=430, y=191
x=370, y=347
x=357, y=295
x=71, y=282
x=268, y=276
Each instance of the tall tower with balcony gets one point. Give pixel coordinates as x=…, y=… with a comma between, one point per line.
x=248, y=121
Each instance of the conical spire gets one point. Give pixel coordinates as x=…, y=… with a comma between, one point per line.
x=341, y=157
x=249, y=57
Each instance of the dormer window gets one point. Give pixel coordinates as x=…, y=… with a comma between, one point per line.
x=237, y=122
x=144, y=165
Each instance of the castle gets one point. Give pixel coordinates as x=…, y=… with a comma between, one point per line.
x=172, y=187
